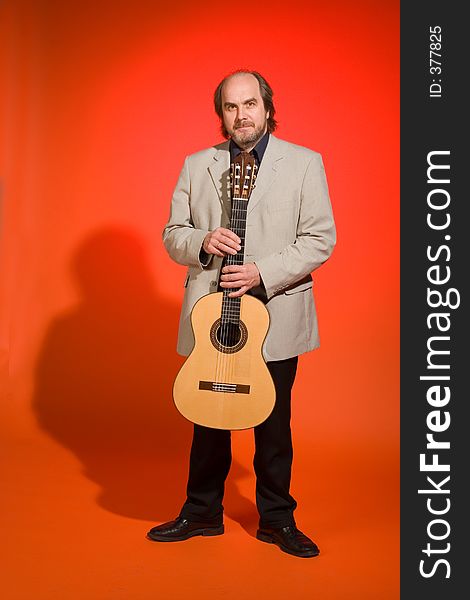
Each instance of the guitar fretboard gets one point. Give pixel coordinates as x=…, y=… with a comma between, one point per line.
x=231, y=306
x=243, y=175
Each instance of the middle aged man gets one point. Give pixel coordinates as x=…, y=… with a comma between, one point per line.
x=289, y=233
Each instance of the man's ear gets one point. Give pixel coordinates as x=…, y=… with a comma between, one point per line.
x=267, y=115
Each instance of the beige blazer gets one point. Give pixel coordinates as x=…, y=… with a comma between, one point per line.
x=290, y=232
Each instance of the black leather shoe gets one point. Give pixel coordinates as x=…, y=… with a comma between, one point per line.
x=181, y=529
x=290, y=540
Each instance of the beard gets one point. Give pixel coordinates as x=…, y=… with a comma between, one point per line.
x=248, y=138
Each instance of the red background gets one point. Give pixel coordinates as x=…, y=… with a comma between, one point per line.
x=100, y=103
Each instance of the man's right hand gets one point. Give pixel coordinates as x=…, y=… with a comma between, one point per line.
x=221, y=242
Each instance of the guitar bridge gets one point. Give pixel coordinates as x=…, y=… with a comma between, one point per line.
x=219, y=386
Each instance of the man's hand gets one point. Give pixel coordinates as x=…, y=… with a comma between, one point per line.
x=244, y=277
x=221, y=242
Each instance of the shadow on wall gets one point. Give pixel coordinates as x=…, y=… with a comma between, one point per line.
x=104, y=378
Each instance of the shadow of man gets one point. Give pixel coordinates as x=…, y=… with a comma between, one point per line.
x=104, y=378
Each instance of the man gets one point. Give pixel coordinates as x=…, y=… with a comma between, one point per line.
x=290, y=232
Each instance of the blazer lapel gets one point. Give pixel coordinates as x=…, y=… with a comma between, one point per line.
x=267, y=173
x=220, y=173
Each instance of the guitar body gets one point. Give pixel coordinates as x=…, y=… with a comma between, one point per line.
x=225, y=383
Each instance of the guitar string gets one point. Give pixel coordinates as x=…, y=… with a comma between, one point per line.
x=221, y=333
x=230, y=306
x=230, y=330
x=225, y=320
x=223, y=324
x=234, y=312
x=240, y=217
x=231, y=303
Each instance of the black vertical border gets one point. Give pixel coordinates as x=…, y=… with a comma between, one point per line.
x=431, y=124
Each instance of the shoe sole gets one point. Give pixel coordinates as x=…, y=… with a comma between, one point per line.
x=206, y=532
x=266, y=537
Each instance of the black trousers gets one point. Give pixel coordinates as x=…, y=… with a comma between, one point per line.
x=211, y=457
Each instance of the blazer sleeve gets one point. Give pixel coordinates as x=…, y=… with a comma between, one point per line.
x=315, y=236
x=181, y=239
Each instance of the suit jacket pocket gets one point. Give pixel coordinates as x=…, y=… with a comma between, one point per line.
x=300, y=287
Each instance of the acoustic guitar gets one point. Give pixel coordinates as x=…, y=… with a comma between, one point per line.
x=225, y=383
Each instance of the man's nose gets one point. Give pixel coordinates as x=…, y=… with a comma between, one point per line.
x=241, y=116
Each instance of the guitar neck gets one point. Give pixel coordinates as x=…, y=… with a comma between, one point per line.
x=231, y=306
x=238, y=226
x=243, y=174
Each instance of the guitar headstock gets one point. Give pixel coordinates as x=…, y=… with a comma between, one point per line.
x=243, y=175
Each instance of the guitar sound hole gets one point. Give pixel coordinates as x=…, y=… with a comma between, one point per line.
x=228, y=334
x=228, y=337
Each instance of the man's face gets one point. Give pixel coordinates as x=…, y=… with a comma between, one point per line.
x=243, y=110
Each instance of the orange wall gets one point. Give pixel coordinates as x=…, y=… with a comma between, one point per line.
x=104, y=100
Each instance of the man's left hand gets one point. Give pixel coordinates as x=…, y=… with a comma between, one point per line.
x=244, y=277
